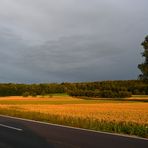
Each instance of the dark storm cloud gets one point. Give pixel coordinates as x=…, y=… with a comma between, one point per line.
x=71, y=40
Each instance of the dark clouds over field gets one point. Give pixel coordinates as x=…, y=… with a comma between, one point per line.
x=71, y=40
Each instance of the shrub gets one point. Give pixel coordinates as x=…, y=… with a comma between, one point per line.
x=25, y=94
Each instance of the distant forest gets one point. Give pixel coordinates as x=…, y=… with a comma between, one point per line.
x=102, y=89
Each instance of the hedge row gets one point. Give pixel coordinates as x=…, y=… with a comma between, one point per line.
x=101, y=94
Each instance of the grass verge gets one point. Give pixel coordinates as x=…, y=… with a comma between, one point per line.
x=129, y=128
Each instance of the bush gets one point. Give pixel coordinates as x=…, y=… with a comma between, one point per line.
x=33, y=94
x=124, y=94
x=102, y=94
x=25, y=94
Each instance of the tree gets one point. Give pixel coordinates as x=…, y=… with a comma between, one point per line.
x=144, y=66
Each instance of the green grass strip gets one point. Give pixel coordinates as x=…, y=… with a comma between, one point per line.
x=86, y=123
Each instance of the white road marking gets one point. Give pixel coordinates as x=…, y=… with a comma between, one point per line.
x=10, y=127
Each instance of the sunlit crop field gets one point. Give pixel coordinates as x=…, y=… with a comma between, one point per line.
x=74, y=108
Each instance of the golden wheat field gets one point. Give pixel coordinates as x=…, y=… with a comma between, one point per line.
x=136, y=112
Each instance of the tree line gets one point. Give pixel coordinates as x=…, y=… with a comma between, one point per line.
x=103, y=89
x=108, y=89
x=11, y=89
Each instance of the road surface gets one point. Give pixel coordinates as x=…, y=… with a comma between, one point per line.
x=19, y=133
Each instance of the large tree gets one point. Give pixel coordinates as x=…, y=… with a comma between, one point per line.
x=144, y=66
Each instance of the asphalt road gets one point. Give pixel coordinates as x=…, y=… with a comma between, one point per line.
x=17, y=133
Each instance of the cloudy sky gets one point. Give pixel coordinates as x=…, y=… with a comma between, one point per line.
x=71, y=40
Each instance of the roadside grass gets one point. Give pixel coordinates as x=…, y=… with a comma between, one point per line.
x=125, y=117
x=86, y=123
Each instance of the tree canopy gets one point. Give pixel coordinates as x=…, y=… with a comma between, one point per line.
x=144, y=66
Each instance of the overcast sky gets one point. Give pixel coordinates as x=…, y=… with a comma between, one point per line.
x=71, y=40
